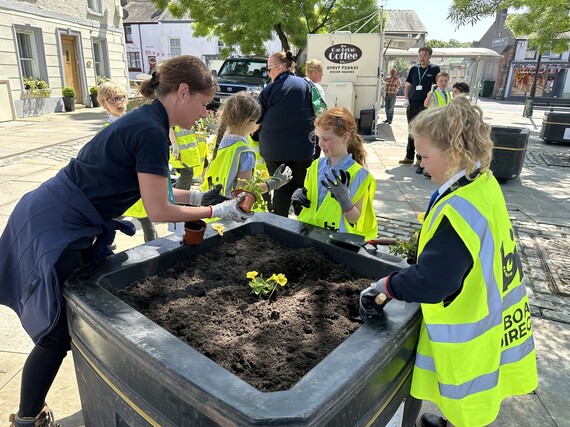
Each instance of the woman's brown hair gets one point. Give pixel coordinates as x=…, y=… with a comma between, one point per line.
x=175, y=71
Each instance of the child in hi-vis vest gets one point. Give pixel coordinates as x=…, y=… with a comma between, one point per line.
x=338, y=191
x=233, y=158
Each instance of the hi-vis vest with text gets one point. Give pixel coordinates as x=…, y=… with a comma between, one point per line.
x=438, y=100
x=329, y=214
x=479, y=349
x=188, y=145
x=224, y=168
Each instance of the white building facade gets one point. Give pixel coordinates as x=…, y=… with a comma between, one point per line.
x=61, y=43
x=151, y=36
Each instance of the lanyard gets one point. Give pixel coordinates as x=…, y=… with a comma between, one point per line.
x=170, y=191
x=422, y=76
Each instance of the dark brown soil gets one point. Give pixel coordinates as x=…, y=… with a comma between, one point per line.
x=208, y=303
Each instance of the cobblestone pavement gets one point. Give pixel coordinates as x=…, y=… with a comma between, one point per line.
x=543, y=255
x=59, y=152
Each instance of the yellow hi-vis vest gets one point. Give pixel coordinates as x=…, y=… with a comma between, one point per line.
x=188, y=145
x=203, y=152
x=479, y=349
x=329, y=214
x=224, y=168
x=259, y=161
x=438, y=100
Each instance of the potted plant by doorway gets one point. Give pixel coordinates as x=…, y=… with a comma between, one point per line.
x=68, y=94
x=93, y=92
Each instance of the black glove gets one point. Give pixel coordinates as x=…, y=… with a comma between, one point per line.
x=299, y=198
x=213, y=196
x=339, y=188
x=372, y=301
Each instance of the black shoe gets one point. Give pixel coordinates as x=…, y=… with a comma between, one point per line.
x=389, y=122
x=386, y=121
x=419, y=170
x=426, y=174
x=432, y=420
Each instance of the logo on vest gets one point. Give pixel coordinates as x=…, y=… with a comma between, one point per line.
x=331, y=227
x=511, y=263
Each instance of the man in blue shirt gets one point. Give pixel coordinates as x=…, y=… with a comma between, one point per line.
x=420, y=79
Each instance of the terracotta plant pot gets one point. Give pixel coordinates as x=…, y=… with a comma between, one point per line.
x=194, y=232
x=247, y=204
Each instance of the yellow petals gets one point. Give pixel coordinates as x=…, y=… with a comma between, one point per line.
x=252, y=274
x=219, y=228
x=421, y=217
x=281, y=279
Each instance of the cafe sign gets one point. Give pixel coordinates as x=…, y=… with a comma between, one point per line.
x=343, y=53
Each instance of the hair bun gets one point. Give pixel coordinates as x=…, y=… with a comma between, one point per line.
x=289, y=55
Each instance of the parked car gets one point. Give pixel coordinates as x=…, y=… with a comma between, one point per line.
x=240, y=73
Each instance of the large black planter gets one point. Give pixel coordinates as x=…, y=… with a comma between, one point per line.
x=509, y=150
x=131, y=372
x=69, y=104
x=94, y=101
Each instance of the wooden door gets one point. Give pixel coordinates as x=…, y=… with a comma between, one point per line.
x=70, y=65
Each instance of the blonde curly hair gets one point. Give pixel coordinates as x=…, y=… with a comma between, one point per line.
x=459, y=131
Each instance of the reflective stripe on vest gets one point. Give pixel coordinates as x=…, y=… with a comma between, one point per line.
x=461, y=333
x=438, y=100
x=224, y=170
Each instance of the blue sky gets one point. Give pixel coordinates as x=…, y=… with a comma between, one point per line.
x=433, y=14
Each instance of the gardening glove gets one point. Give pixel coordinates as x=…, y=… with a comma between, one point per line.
x=339, y=188
x=213, y=196
x=230, y=210
x=175, y=150
x=300, y=199
x=373, y=299
x=281, y=177
x=406, y=103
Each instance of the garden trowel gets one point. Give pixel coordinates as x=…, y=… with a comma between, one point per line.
x=356, y=241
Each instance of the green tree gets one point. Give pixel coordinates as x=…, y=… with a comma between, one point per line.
x=546, y=23
x=450, y=43
x=247, y=24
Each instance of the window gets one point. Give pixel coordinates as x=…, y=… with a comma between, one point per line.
x=134, y=59
x=100, y=61
x=128, y=34
x=530, y=54
x=552, y=55
x=28, y=54
x=175, y=48
x=94, y=5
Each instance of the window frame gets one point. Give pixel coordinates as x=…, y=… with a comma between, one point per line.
x=100, y=68
x=137, y=59
x=170, y=47
x=129, y=33
x=35, y=36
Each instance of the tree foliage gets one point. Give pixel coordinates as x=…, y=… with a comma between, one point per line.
x=450, y=43
x=247, y=24
x=546, y=23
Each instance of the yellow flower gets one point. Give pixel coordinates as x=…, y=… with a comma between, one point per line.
x=273, y=277
x=252, y=274
x=281, y=279
x=219, y=228
x=421, y=217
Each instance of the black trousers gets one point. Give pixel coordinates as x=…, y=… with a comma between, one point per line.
x=413, y=110
x=282, y=197
x=46, y=357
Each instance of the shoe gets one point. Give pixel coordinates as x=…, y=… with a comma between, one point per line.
x=386, y=121
x=43, y=419
x=426, y=174
x=389, y=122
x=406, y=161
x=420, y=170
x=432, y=420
